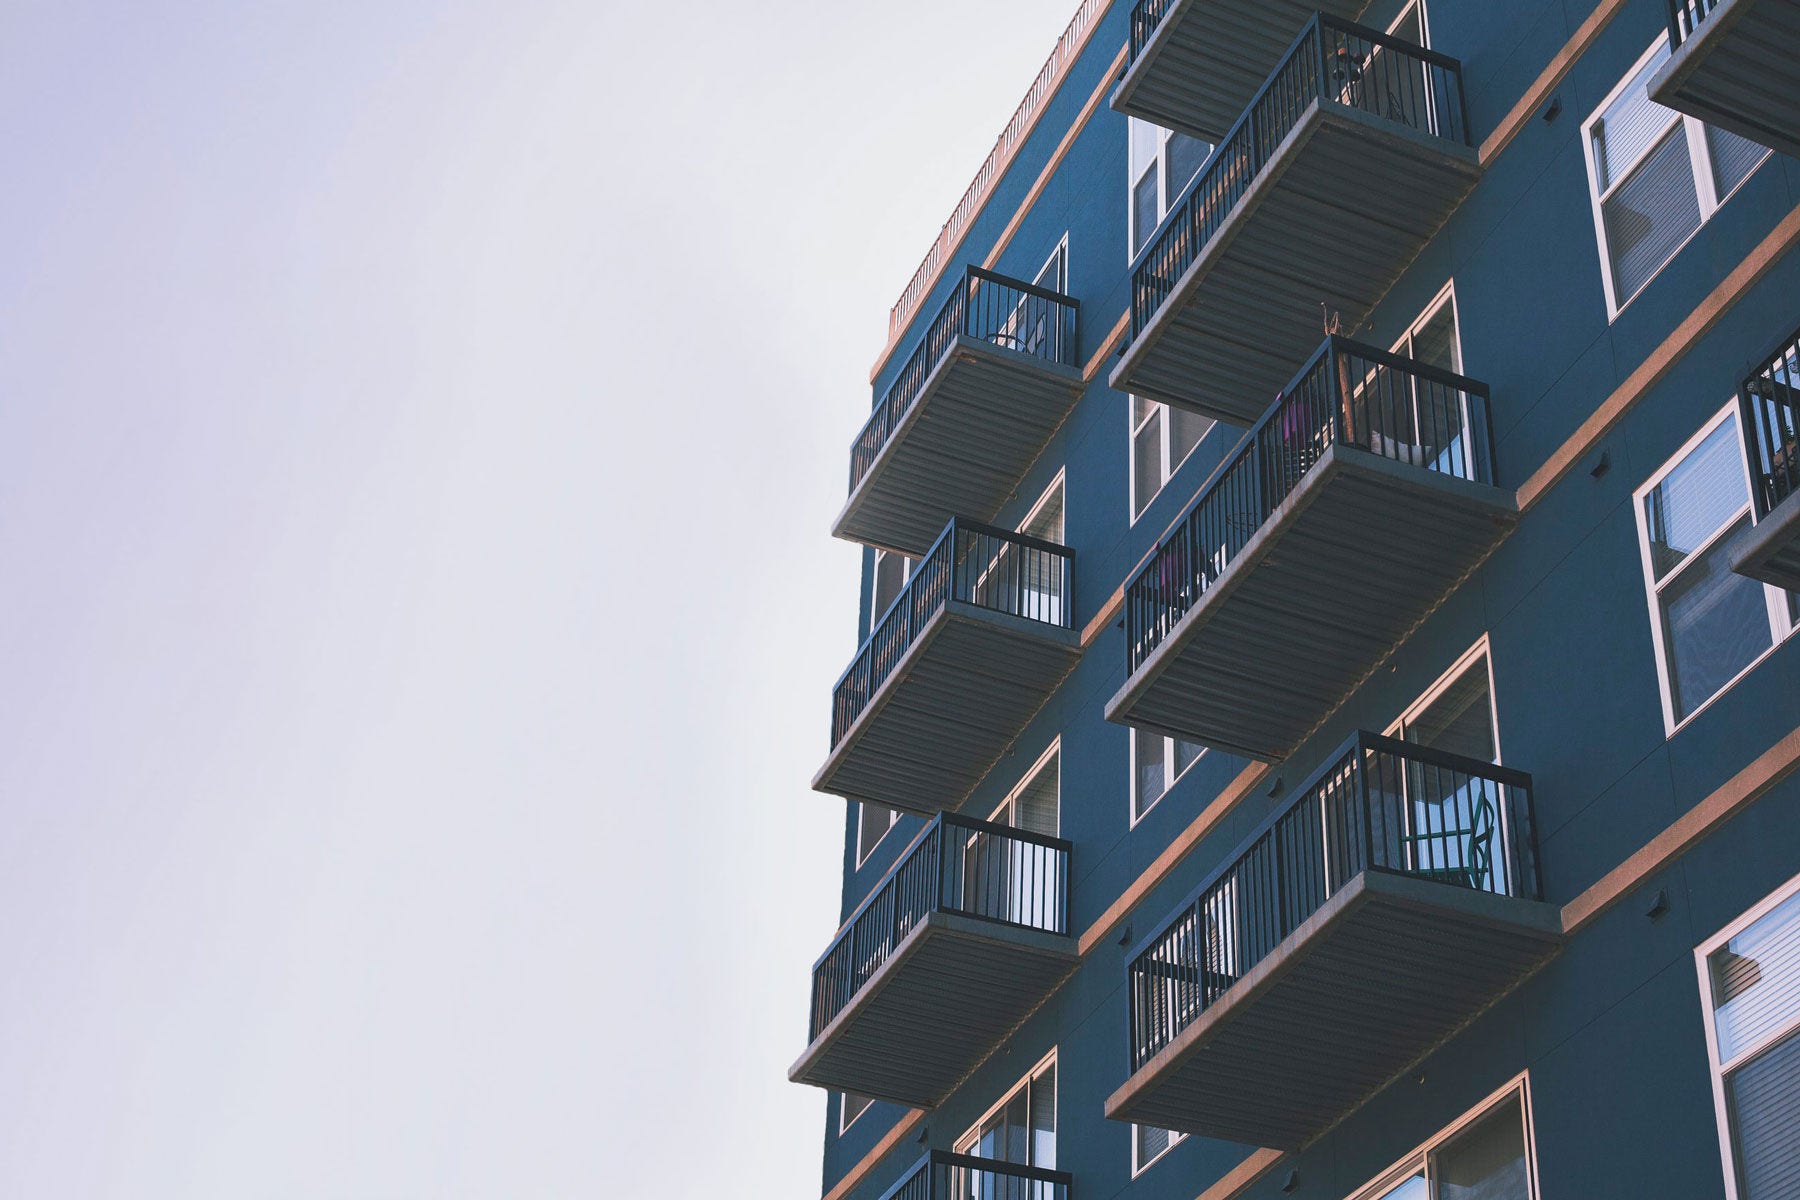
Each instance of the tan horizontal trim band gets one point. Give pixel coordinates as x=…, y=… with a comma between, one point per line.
x=1549, y=79
x=869, y=1161
x=1238, y=1180
x=1172, y=854
x=1738, y=793
x=1056, y=158
x=1650, y=372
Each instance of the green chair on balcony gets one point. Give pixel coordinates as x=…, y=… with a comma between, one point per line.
x=1475, y=841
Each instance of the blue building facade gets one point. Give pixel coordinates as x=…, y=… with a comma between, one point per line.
x=1324, y=707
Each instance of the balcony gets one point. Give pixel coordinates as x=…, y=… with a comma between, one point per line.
x=958, y=944
x=1344, y=166
x=953, y=672
x=941, y=1176
x=1195, y=64
x=1732, y=64
x=1391, y=902
x=968, y=414
x=1340, y=522
x=1769, y=403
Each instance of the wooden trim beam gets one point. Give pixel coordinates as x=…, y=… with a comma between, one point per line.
x=1237, y=1181
x=1056, y=158
x=1738, y=793
x=855, y=1175
x=1651, y=371
x=1549, y=79
x=1172, y=854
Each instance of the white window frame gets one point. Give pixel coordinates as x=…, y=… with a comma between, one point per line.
x=971, y=1135
x=844, y=1108
x=862, y=814
x=1062, y=248
x=1424, y=22
x=1165, y=193
x=1397, y=728
x=1699, y=164
x=1057, y=487
x=1176, y=1137
x=1169, y=773
x=1053, y=750
x=1133, y=428
x=1717, y=1069
x=1774, y=599
x=1446, y=296
x=907, y=563
x=1421, y=1155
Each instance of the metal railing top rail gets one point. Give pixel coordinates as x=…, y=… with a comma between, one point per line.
x=1012, y=137
x=957, y=866
x=954, y=821
x=1235, y=163
x=1271, y=459
x=991, y=307
x=1380, y=806
x=1361, y=740
x=1685, y=17
x=967, y=1162
x=1769, y=408
x=942, y=548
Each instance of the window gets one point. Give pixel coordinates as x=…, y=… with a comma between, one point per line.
x=1434, y=338
x=891, y=573
x=1156, y=763
x=1750, y=988
x=850, y=1107
x=1020, y=881
x=1148, y=1143
x=1456, y=714
x=1021, y=1129
x=1484, y=1156
x=1711, y=623
x=1162, y=437
x=1654, y=177
x=1036, y=804
x=1161, y=165
x=872, y=824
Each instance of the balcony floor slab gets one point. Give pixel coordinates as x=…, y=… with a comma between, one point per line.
x=965, y=690
x=1207, y=59
x=1362, y=551
x=1388, y=969
x=952, y=991
x=1334, y=218
x=1738, y=71
x=983, y=416
x=1770, y=550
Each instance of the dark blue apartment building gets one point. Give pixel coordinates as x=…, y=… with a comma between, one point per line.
x=1325, y=708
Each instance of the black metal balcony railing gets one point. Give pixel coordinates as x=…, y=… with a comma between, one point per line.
x=991, y=308
x=941, y=1176
x=1381, y=805
x=1332, y=61
x=1146, y=15
x=1685, y=17
x=1769, y=400
x=1349, y=394
x=957, y=865
x=974, y=564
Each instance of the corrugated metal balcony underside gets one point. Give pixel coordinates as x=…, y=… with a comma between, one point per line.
x=963, y=694
x=1347, y=566
x=1770, y=549
x=1740, y=71
x=1207, y=59
x=950, y=994
x=1335, y=217
x=1387, y=970
x=977, y=425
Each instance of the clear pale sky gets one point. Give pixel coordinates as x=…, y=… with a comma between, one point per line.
x=420, y=424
